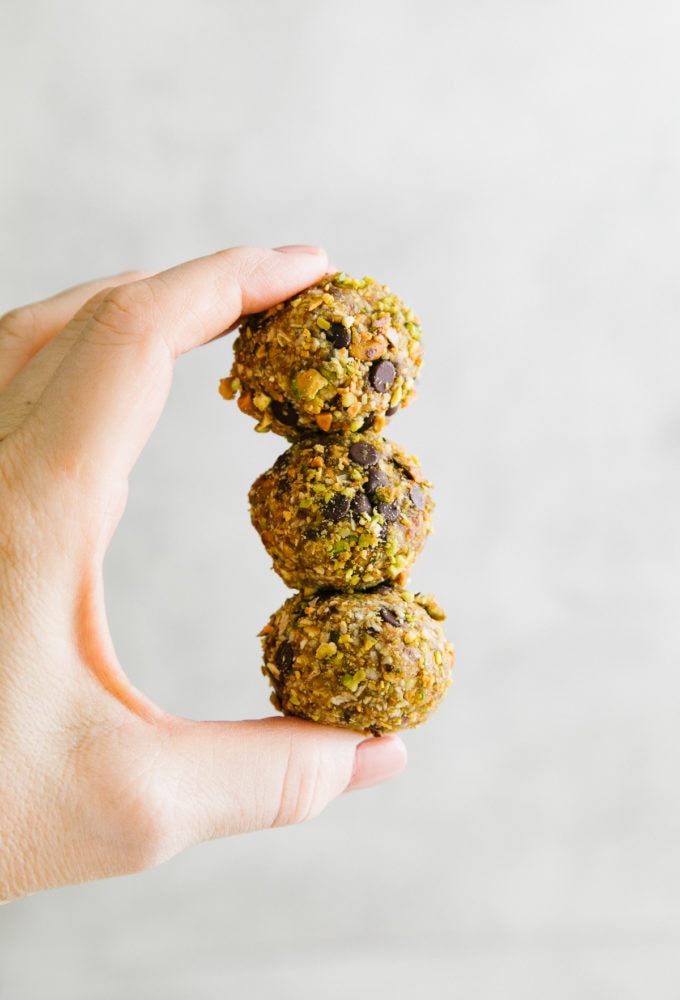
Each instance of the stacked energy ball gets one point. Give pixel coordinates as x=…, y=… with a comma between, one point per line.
x=344, y=512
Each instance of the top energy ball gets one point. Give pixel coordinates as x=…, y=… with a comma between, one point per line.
x=342, y=356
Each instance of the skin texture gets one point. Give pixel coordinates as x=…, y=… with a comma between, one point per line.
x=96, y=780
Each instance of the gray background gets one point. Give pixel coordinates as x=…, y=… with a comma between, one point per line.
x=511, y=170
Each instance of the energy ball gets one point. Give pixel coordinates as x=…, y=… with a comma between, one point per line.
x=344, y=512
x=342, y=356
x=372, y=662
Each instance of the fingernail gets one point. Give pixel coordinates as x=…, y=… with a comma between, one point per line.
x=299, y=248
x=377, y=760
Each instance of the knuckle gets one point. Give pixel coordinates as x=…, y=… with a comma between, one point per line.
x=126, y=311
x=18, y=325
x=304, y=791
x=145, y=829
x=111, y=780
x=134, y=811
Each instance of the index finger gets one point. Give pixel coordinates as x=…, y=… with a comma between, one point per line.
x=104, y=399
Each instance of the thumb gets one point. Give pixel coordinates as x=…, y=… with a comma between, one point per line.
x=234, y=777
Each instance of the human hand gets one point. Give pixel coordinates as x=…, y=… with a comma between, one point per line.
x=95, y=779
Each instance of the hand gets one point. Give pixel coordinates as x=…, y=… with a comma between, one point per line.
x=96, y=780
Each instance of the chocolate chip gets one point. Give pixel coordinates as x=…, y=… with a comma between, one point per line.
x=417, y=497
x=285, y=656
x=376, y=480
x=256, y=321
x=388, y=615
x=368, y=422
x=361, y=505
x=339, y=335
x=337, y=507
x=390, y=511
x=284, y=413
x=388, y=668
x=392, y=410
x=382, y=376
x=364, y=454
x=311, y=534
x=282, y=488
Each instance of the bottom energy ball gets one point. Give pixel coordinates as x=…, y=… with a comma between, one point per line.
x=373, y=662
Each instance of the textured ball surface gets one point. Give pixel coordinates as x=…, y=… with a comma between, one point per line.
x=347, y=512
x=342, y=356
x=373, y=662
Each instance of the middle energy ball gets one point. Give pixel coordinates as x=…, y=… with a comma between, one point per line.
x=346, y=512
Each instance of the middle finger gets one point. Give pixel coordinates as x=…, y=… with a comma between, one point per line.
x=22, y=393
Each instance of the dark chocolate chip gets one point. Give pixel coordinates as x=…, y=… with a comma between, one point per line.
x=282, y=488
x=376, y=479
x=417, y=497
x=388, y=615
x=368, y=422
x=337, y=507
x=339, y=335
x=383, y=374
x=388, y=668
x=284, y=413
x=390, y=511
x=392, y=410
x=311, y=534
x=361, y=505
x=285, y=656
x=364, y=454
x=256, y=321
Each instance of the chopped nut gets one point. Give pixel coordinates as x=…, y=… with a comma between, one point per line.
x=307, y=384
x=433, y=608
x=368, y=350
x=229, y=387
x=245, y=402
x=325, y=650
x=324, y=421
x=352, y=681
x=261, y=401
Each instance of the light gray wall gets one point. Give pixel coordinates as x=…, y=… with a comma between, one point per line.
x=511, y=170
